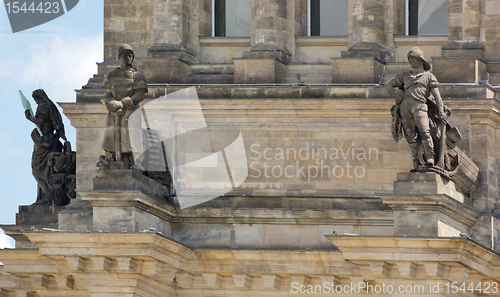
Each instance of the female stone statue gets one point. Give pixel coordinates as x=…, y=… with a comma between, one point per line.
x=48, y=118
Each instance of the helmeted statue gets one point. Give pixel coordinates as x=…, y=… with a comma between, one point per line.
x=420, y=115
x=52, y=167
x=126, y=89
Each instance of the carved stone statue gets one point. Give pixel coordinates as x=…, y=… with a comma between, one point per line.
x=420, y=115
x=126, y=89
x=53, y=165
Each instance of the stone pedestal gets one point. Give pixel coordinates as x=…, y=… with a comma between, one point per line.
x=426, y=205
x=164, y=70
x=128, y=211
x=410, y=183
x=75, y=219
x=129, y=180
x=127, y=200
x=37, y=215
x=458, y=69
x=30, y=218
x=258, y=70
x=357, y=70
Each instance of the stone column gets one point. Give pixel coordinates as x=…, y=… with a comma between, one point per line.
x=367, y=40
x=366, y=29
x=171, y=48
x=464, y=29
x=296, y=24
x=269, y=28
x=170, y=29
x=265, y=62
x=126, y=22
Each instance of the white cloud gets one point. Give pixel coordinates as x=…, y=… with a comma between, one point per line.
x=59, y=65
x=5, y=241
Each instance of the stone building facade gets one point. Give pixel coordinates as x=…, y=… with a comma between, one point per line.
x=328, y=198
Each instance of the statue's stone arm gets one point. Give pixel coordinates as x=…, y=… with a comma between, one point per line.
x=389, y=87
x=112, y=104
x=140, y=89
x=439, y=103
x=138, y=96
x=35, y=120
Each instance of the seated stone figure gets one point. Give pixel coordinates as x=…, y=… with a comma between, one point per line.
x=419, y=114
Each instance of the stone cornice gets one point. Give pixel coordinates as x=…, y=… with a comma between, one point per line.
x=234, y=215
x=318, y=101
x=419, y=249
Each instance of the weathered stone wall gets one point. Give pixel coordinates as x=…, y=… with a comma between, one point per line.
x=473, y=28
x=318, y=140
x=490, y=21
x=430, y=45
x=127, y=22
x=464, y=20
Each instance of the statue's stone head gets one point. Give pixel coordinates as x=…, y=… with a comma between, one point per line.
x=39, y=95
x=417, y=53
x=123, y=48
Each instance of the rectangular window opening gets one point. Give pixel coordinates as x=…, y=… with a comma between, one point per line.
x=231, y=18
x=327, y=17
x=426, y=17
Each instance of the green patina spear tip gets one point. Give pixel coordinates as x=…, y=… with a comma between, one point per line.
x=27, y=106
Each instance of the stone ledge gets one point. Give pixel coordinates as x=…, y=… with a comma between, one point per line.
x=225, y=41
x=321, y=40
x=367, y=249
x=366, y=91
x=284, y=216
x=420, y=40
x=419, y=249
x=232, y=215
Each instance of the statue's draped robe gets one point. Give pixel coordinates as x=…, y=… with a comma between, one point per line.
x=121, y=84
x=44, y=145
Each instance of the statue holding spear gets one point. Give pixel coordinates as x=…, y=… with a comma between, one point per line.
x=49, y=129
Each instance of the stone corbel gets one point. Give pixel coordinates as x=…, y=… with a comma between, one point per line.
x=242, y=281
x=272, y=281
x=184, y=280
x=213, y=280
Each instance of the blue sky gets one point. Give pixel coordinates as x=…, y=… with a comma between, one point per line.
x=59, y=56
